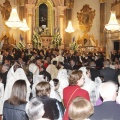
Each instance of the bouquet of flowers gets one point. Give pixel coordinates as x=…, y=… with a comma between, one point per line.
x=74, y=45
x=57, y=40
x=36, y=40
x=21, y=45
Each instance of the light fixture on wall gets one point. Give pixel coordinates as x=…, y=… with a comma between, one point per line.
x=13, y=21
x=113, y=23
x=24, y=27
x=70, y=28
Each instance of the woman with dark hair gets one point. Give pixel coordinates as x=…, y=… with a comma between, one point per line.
x=14, y=107
x=76, y=80
x=43, y=92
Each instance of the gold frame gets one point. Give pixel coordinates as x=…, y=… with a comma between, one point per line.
x=85, y=18
x=50, y=17
x=91, y=42
x=116, y=7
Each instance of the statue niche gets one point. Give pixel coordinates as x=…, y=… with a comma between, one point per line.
x=44, y=15
x=43, y=10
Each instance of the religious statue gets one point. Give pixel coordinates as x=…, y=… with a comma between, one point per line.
x=5, y=10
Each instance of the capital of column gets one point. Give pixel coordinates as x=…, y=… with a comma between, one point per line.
x=30, y=8
x=61, y=9
x=102, y=1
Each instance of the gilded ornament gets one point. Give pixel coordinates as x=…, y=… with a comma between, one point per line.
x=85, y=18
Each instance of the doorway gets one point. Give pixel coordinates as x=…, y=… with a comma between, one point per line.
x=117, y=45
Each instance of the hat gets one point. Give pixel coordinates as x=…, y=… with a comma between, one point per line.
x=33, y=68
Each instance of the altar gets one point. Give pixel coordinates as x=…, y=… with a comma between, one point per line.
x=46, y=41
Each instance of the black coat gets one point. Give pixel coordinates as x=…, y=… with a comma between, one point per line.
x=50, y=107
x=4, y=77
x=108, y=74
x=14, y=112
x=108, y=110
x=94, y=73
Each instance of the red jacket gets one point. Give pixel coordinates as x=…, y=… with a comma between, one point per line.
x=68, y=96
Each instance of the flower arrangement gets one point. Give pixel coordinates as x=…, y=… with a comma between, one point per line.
x=57, y=40
x=74, y=45
x=36, y=40
x=21, y=45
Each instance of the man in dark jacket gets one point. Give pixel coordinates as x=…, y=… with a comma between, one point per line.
x=94, y=72
x=45, y=74
x=107, y=72
x=109, y=109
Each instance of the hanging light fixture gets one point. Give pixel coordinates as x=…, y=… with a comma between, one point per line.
x=113, y=23
x=24, y=27
x=13, y=21
x=69, y=28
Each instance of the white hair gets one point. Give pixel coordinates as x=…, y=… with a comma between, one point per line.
x=108, y=90
x=34, y=108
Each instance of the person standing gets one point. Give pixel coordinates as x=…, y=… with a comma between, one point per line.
x=76, y=80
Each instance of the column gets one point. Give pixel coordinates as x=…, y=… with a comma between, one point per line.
x=29, y=8
x=61, y=21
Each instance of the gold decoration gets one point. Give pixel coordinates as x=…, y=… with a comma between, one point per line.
x=85, y=18
x=9, y=41
x=69, y=3
x=116, y=7
x=50, y=17
x=5, y=10
x=87, y=41
x=102, y=1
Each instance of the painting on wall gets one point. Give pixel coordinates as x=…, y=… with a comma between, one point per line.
x=85, y=18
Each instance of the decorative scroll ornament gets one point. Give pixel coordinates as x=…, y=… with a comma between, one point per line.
x=85, y=18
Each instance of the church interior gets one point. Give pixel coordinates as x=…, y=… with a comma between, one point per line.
x=59, y=59
x=67, y=24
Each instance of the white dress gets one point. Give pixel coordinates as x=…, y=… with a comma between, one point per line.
x=1, y=97
x=52, y=70
x=89, y=86
x=63, y=79
x=11, y=78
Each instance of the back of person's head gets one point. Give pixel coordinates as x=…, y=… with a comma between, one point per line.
x=35, y=109
x=92, y=64
x=5, y=67
x=43, y=88
x=108, y=90
x=56, y=82
x=80, y=109
x=74, y=77
x=18, y=94
x=54, y=62
x=106, y=63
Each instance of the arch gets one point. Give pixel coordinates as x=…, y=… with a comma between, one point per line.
x=50, y=14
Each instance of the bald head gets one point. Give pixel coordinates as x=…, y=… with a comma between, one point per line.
x=108, y=90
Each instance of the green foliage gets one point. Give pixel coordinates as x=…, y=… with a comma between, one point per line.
x=21, y=45
x=36, y=40
x=74, y=46
x=57, y=40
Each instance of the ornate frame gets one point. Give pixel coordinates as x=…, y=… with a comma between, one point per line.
x=50, y=6
x=85, y=18
x=90, y=41
x=116, y=7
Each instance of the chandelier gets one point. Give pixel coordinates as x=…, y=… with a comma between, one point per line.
x=24, y=27
x=113, y=23
x=13, y=21
x=70, y=28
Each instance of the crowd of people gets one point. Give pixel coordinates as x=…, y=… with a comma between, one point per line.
x=52, y=84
